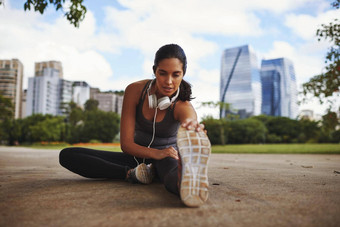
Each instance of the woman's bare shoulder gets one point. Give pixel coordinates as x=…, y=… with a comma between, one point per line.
x=135, y=87
x=138, y=85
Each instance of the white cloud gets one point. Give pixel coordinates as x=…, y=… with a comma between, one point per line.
x=31, y=40
x=278, y=7
x=307, y=63
x=305, y=26
x=205, y=89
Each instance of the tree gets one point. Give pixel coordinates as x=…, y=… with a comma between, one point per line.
x=51, y=129
x=327, y=84
x=91, y=105
x=245, y=131
x=99, y=125
x=6, y=118
x=75, y=13
x=26, y=124
x=6, y=108
x=215, y=130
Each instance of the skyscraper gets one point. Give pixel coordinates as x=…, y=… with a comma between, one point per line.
x=47, y=92
x=279, y=74
x=40, y=66
x=11, y=76
x=271, y=93
x=240, y=83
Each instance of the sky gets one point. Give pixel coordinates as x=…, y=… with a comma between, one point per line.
x=115, y=44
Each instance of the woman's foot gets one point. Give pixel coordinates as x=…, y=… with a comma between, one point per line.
x=142, y=173
x=194, y=148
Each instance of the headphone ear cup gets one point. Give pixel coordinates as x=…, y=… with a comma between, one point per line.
x=152, y=101
x=164, y=103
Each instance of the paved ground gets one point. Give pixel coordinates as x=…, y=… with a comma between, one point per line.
x=245, y=190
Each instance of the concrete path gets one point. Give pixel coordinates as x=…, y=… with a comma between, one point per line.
x=245, y=190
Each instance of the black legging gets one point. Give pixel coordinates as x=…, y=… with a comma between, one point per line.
x=92, y=163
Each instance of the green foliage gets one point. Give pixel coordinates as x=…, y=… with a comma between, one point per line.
x=268, y=129
x=330, y=121
x=248, y=130
x=91, y=105
x=77, y=126
x=328, y=132
x=75, y=13
x=286, y=129
x=221, y=131
x=121, y=92
x=75, y=115
x=6, y=117
x=10, y=130
x=99, y=125
x=50, y=129
x=91, y=124
x=6, y=108
x=327, y=84
x=309, y=130
x=215, y=129
x=278, y=149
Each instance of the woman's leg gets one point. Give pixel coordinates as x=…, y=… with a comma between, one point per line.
x=96, y=163
x=167, y=171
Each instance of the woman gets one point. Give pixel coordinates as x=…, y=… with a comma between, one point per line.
x=157, y=121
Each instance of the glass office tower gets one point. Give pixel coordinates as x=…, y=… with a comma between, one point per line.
x=240, y=84
x=287, y=91
x=271, y=93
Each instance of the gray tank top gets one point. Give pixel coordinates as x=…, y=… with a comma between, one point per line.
x=165, y=130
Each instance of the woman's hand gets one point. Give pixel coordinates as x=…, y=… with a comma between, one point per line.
x=190, y=124
x=167, y=152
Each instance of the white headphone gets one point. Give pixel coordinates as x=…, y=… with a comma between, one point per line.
x=161, y=103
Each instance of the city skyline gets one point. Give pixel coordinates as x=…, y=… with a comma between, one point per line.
x=116, y=42
x=49, y=93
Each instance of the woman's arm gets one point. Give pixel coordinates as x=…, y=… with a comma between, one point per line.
x=186, y=115
x=127, y=127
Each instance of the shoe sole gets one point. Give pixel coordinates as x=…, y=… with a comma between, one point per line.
x=142, y=174
x=194, y=148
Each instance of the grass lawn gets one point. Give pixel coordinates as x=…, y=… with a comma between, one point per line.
x=279, y=148
x=242, y=148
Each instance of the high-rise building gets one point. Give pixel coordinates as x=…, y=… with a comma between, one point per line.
x=65, y=96
x=11, y=76
x=240, y=84
x=271, y=92
x=47, y=92
x=81, y=93
x=279, y=74
x=40, y=66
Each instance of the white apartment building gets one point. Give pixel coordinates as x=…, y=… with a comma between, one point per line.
x=47, y=92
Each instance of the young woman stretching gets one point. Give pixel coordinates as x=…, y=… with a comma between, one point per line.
x=160, y=135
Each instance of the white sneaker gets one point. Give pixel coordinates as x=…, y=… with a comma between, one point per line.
x=194, y=148
x=141, y=174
